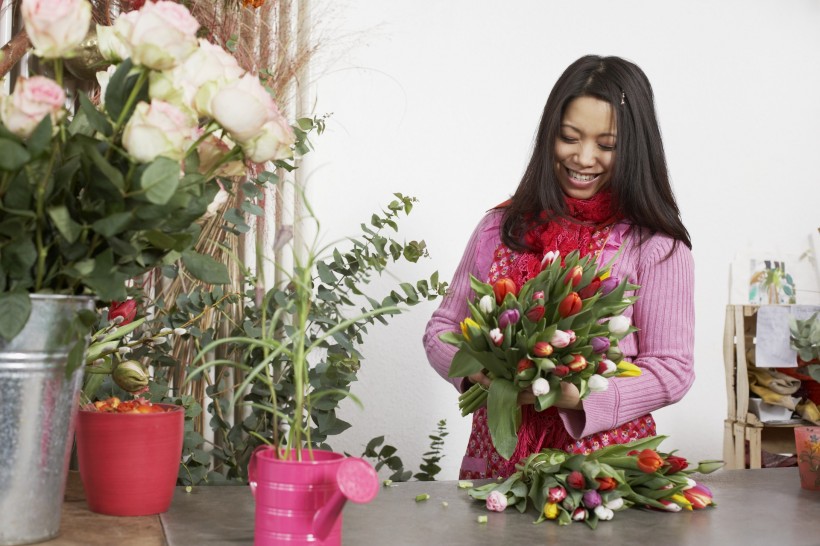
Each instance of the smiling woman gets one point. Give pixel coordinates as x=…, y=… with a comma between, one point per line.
x=597, y=184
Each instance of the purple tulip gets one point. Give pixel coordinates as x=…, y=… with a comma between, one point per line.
x=510, y=316
x=592, y=499
x=600, y=344
x=609, y=284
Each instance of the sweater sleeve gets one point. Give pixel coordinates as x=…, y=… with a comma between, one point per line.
x=663, y=346
x=453, y=309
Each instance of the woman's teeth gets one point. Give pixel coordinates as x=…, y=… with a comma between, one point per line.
x=582, y=177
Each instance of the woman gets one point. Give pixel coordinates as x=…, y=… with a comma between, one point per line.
x=597, y=182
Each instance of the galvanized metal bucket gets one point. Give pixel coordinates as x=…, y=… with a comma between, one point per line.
x=38, y=405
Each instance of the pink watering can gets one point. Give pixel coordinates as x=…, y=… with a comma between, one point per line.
x=300, y=502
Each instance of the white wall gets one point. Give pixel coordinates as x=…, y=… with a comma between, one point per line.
x=439, y=99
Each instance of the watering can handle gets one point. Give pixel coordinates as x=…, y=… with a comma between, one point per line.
x=252, y=468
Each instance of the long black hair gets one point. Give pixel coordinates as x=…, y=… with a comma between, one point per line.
x=640, y=182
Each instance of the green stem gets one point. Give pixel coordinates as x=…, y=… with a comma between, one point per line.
x=132, y=98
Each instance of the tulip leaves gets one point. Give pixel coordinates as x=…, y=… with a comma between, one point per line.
x=502, y=422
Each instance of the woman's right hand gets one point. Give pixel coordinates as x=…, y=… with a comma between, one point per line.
x=570, y=397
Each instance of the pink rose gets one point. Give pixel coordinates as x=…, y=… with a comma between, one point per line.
x=496, y=501
x=55, y=27
x=33, y=99
x=158, y=129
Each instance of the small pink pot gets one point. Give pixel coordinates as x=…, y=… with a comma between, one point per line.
x=807, y=442
x=129, y=461
x=301, y=502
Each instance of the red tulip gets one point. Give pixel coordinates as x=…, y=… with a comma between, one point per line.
x=576, y=480
x=542, y=349
x=126, y=309
x=676, y=464
x=606, y=483
x=591, y=289
x=577, y=364
x=556, y=494
x=700, y=496
x=574, y=276
x=649, y=461
x=502, y=287
x=560, y=370
x=571, y=305
x=536, y=313
x=525, y=364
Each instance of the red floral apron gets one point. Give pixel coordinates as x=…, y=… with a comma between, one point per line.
x=544, y=429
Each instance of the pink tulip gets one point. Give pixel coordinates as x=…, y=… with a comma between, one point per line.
x=560, y=339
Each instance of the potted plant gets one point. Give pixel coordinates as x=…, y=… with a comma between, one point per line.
x=804, y=338
x=93, y=198
x=289, y=389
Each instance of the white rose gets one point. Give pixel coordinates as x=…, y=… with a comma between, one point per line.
x=110, y=44
x=158, y=129
x=160, y=35
x=243, y=107
x=597, y=383
x=55, y=27
x=33, y=99
x=540, y=386
x=103, y=77
x=272, y=143
x=619, y=325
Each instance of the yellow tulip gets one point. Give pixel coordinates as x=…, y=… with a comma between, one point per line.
x=551, y=510
x=628, y=369
x=679, y=499
x=465, y=326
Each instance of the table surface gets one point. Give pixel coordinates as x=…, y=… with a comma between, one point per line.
x=755, y=507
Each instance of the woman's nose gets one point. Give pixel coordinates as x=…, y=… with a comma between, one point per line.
x=585, y=155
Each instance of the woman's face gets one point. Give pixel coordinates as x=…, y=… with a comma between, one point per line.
x=585, y=147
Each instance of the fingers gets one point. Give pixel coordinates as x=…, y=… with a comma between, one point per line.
x=481, y=379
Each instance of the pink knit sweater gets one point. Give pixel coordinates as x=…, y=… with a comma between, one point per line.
x=663, y=314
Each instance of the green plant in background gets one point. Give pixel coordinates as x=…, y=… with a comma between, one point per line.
x=322, y=311
x=805, y=339
x=386, y=455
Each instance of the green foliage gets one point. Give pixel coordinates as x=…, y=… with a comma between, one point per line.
x=386, y=455
x=805, y=337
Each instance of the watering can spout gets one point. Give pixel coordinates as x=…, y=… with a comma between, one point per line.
x=356, y=481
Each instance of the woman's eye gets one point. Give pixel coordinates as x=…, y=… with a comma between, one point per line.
x=607, y=148
x=566, y=138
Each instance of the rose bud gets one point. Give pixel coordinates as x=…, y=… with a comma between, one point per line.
x=579, y=514
x=604, y=513
x=130, y=376
x=577, y=364
x=542, y=349
x=540, y=386
x=536, y=313
x=538, y=296
x=675, y=464
x=549, y=257
x=550, y=510
x=649, y=461
x=486, y=304
x=502, y=287
x=574, y=276
x=618, y=325
x=609, y=284
x=571, y=305
x=560, y=339
x=606, y=367
x=560, y=370
x=496, y=501
x=126, y=309
x=557, y=494
x=510, y=316
x=615, y=354
x=597, y=383
x=606, y=483
x=497, y=337
x=576, y=480
x=592, y=499
x=600, y=344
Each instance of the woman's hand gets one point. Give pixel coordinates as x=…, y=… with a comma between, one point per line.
x=570, y=397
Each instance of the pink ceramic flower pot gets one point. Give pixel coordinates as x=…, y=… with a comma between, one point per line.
x=807, y=441
x=128, y=461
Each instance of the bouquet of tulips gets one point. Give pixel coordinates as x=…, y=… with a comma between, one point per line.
x=591, y=488
x=562, y=325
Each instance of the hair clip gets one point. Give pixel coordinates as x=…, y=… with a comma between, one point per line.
x=623, y=98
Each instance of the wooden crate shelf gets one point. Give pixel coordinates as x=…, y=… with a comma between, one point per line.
x=743, y=430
